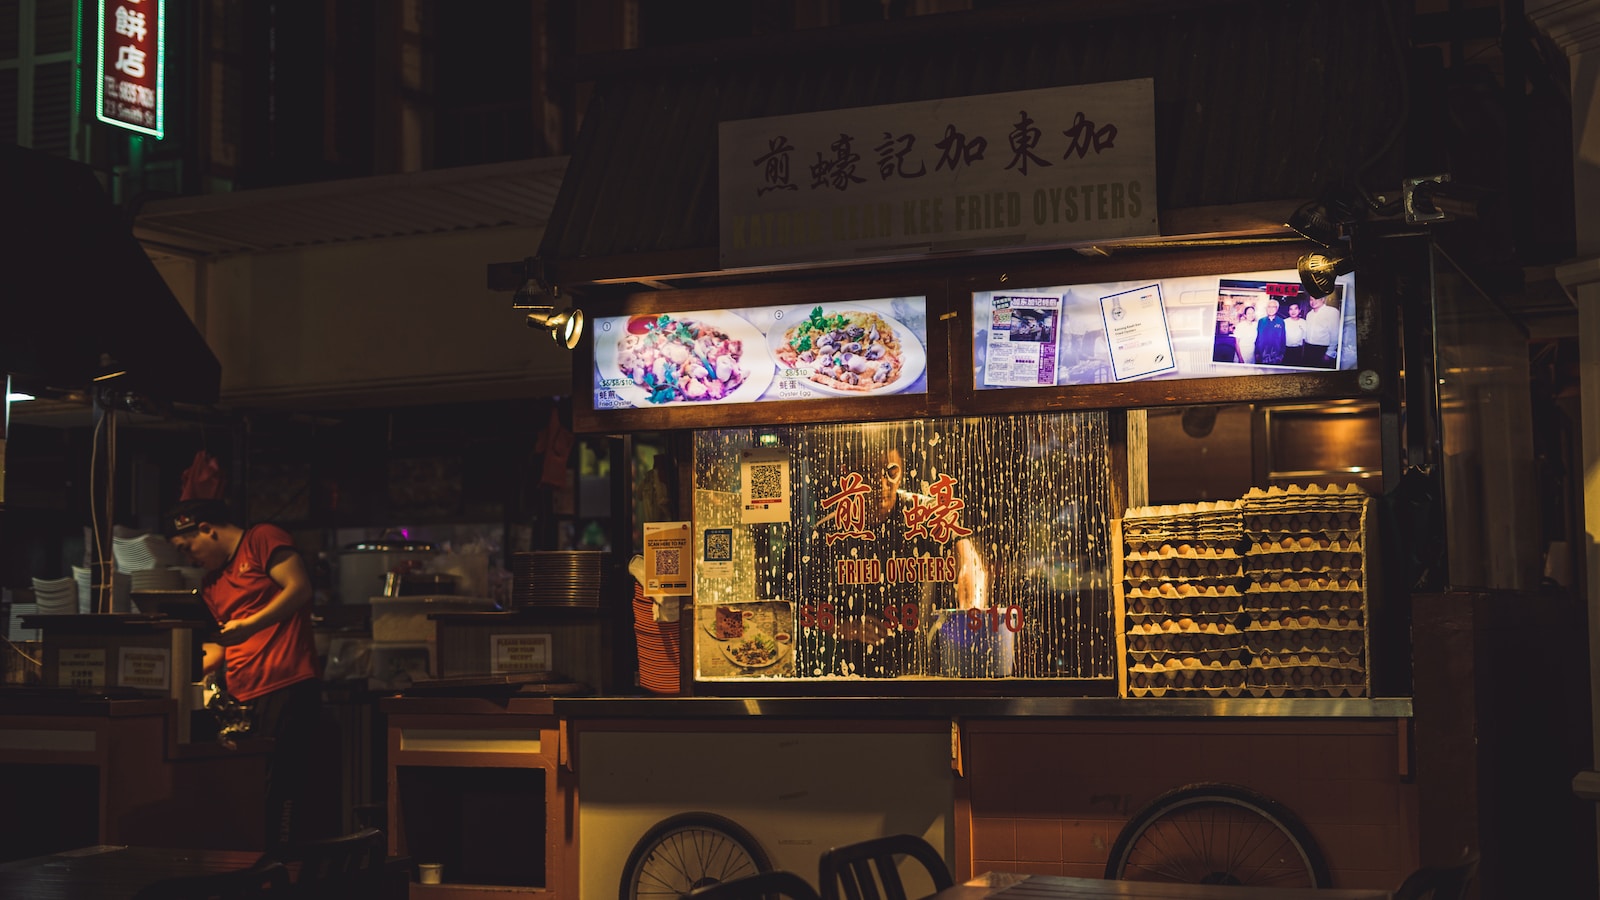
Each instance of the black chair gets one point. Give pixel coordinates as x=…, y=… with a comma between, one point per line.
x=866, y=869
x=760, y=886
x=348, y=866
x=265, y=879
x=1440, y=882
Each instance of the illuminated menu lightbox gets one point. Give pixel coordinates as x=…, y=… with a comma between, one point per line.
x=1251, y=323
x=130, y=65
x=832, y=350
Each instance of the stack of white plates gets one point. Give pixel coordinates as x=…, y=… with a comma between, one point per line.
x=14, y=629
x=55, y=596
x=142, y=552
x=91, y=597
x=156, y=580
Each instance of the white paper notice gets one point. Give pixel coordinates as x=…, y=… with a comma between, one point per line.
x=81, y=668
x=1136, y=326
x=668, y=559
x=1023, y=335
x=519, y=653
x=144, y=667
x=765, y=485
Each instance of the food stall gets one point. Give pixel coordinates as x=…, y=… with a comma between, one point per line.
x=918, y=400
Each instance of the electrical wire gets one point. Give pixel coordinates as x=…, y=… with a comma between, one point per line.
x=94, y=507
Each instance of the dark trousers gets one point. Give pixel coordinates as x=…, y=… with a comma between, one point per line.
x=289, y=716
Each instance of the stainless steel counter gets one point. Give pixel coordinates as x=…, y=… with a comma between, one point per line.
x=974, y=707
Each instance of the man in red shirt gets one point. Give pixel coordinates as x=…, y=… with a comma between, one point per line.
x=257, y=588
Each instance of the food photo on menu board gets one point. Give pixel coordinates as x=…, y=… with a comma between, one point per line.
x=1252, y=323
x=857, y=348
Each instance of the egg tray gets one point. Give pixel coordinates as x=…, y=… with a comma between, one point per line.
x=1313, y=677
x=1260, y=542
x=1303, y=642
x=1188, y=663
x=1210, y=693
x=1180, y=607
x=1305, y=583
x=1183, y=510
x=1190, y=678
x=1340, y=658
x=1304, y=559
x=1332, y=493
x=1186, y=642
x=1178, y=567
x=1161, y=625
x=1260, y=608
x=1224, y=656
x=1249, y=692
x=1185, y=551
x=1176, y=590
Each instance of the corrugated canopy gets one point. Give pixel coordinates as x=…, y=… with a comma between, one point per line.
x=1255, y=101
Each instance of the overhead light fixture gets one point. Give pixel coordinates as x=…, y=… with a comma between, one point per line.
x=18, y=397
x=1319, y=272
x=1323, y=221
x=565, y=327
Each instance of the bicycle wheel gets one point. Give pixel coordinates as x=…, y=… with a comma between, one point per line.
x=688, y=851
x=1217, y=834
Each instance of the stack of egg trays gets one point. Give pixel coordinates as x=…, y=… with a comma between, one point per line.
x=1182, y=586
x=1305, y=611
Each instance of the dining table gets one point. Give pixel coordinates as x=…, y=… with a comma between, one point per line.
x=110, y=872
x=1020, y=886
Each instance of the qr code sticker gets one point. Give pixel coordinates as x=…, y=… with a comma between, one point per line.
x=666, y=562
x=719, y=545
x=766, y=482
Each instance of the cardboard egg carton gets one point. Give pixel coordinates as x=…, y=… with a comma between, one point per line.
x=1268, y=605
x=1341, y=582
x=1217, y=693
x=1195, y=677
x=1282, y=564
x=1301, y=620
x=1263, y=542
x=1334, y=691
x=1222, y=656
x=1186, y=625
x=1168, y=663
x=1343, y=658
x=1230, y=604
x=1167, y=590
x=1185, y=642
x=1304, y=641
x=1305, y=677
x=1297, y=496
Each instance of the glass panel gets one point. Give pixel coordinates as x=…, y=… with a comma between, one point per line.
x=10, y=28
x=53, y=26
x=973, y=547
x=1487, y=431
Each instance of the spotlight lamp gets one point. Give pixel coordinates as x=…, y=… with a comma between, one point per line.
x=1319, y=272
x=565, y=327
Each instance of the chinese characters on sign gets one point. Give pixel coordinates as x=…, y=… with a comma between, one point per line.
x=130, y=82
x=1035, y=167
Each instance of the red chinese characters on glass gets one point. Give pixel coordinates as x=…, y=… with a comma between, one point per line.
x=848, y=510
x=936, y=519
